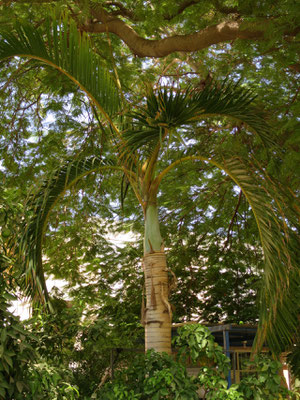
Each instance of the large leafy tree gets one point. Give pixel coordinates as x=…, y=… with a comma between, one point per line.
x=161, y=134
x=152, y=30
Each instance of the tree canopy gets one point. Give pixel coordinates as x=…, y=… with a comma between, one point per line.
x=208, y=226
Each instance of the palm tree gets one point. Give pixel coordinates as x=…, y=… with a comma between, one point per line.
x=139, y=142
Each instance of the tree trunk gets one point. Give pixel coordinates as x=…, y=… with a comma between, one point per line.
x=157, y=314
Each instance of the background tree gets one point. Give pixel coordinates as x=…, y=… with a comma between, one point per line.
x=32, y=143
x=139, y=149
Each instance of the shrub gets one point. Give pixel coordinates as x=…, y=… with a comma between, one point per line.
x=160, y=377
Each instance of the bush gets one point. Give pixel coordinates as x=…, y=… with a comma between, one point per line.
x=50, y=383
x=23, y=373
x=151, y=376
x=265, y=382
x=160, y=377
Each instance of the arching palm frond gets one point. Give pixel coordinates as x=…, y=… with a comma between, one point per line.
x=277, y=216
x=61, y=46
x=279, y=294
x=40, y=204
x=230, y=99
x=167, y=109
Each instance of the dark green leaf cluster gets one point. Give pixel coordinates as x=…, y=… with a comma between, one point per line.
x=197, y=342
x=155, y=376
x=16, y=350
x=158, y=376
x=23, y=373
x=264, y=381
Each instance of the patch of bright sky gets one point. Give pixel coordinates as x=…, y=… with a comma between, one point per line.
x=21, y=307
x=121, y=239
x=46, y=122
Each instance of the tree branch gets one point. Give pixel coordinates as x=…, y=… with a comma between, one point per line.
x=295, y=67
x=123, y=11
x=220, y=33
x=104, y=21
x=233, y=218
x=223, y=32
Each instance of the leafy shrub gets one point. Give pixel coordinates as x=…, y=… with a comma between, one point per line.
x=16, y=352
x=265, y=382
x=151, y=376
x=23, y=374
x=197, y=343
x=158, y=376
x=97, y=339
x=293, y=357
x=50, y=383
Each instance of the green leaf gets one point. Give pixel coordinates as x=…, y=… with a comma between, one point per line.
x=12, y=333
x=20, y=386
x=8, y=359
x=4, y=384
x=171, y=109
x=10, y=297
x=5, y=367
x=3, y=335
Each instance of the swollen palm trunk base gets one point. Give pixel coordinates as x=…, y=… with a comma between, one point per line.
x=158, y=314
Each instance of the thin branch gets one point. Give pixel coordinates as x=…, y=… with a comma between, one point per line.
x=205, y=200
x=181, y=9
x=224, y=9
x=123, y=11
x=233, y=218
x=292, y=101
x=295, y=67
x=16, y=74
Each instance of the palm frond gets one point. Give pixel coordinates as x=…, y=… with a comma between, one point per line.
x=167, y=109
x=124, y=189
x=61, y=46
x=39, y=206
x=277, y=217
x=279, y=295
x=164, y=109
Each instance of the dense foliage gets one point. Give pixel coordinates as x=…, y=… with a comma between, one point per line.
x=24, y=373
x=209, y=229
x=158, y=376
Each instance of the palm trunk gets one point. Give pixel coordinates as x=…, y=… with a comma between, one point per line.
x=157, y=314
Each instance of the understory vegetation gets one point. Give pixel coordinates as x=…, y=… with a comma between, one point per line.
x=51, y=359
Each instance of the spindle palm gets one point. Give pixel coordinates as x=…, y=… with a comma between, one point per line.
x=139, y=142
